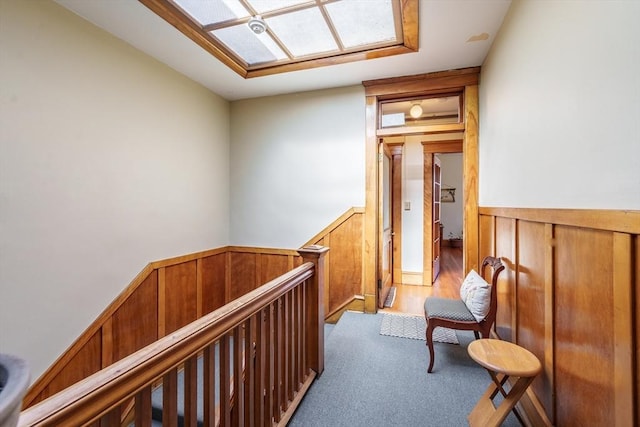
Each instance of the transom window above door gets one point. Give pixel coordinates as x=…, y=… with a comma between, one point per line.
x=416, y=112
x=261, y=37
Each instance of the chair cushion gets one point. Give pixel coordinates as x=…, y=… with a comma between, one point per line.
x=475, y=292
x=447, y=308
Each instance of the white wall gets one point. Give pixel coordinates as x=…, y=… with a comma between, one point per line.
x=108, y=160
x=297, y=164
x=560, y=107
x=412, y=192
x=451, y=213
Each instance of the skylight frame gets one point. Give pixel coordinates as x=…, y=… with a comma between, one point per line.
x=406, y=15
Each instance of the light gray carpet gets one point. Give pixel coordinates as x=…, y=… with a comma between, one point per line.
x=375, y=380
x=414, y=327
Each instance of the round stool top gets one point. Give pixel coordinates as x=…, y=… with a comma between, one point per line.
x=504, y=357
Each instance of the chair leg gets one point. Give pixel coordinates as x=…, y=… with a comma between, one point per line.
x=429, y=339
x=478, y=335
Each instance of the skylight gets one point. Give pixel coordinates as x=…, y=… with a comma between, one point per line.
x=261, y=37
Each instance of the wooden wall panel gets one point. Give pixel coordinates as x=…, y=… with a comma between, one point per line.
x=505, y=249
x=531, y=298
x=83, y=364
x=135, y=323
x=272, y=266
x=213, y=282
x=345, y=263
x=243, y=273
x=584, y=329
x=180, y=295
x=486, y=235
x=623, y=302
x=585, y=267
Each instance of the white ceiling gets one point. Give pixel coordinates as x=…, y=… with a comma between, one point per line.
x=445, y=27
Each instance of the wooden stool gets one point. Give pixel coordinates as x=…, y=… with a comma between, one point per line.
x=502, y=360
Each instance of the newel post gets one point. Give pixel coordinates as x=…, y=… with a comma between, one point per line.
x=315, y=306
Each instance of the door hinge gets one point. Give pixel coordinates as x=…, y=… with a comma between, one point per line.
x=379, y=283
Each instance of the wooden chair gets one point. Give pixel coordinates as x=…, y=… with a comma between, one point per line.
x=454, y=314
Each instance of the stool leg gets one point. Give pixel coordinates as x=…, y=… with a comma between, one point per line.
x=509, y=402
x=485, y=414
x=498, y=380
x=484, y=408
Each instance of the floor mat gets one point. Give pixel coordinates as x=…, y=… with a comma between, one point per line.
x=414, y=327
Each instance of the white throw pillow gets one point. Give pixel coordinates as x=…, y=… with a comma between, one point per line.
x=475, y=292
x=470, y=281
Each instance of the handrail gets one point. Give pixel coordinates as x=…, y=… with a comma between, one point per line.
x=96, y=395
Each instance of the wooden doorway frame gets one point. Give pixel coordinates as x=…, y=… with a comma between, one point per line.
x=464, y=82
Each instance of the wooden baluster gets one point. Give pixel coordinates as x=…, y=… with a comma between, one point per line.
x=249, y=369
x=191, y=392
x=292, y=345
x=298, y=339
x=303, y=346
x=143, y=407
x=286, y=345
x=269, y=353
x=259, y=393
x=238, y=383
x=304, y=368
x=170, y=399
x=277, y=359
x=209, y=385
x=225, y=381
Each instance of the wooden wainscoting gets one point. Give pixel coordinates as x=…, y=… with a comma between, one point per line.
x=344, y=285
x=570, y=295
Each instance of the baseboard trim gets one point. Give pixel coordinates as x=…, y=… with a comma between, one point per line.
x=354, y=304
x=412, y=278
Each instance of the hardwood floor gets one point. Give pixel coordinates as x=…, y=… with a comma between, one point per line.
x=410, y=298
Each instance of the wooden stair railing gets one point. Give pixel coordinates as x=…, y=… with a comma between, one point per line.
x=271, y=347
x=171, y=293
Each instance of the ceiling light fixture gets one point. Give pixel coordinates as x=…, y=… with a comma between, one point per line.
x=415, y=111
x=257, y=24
